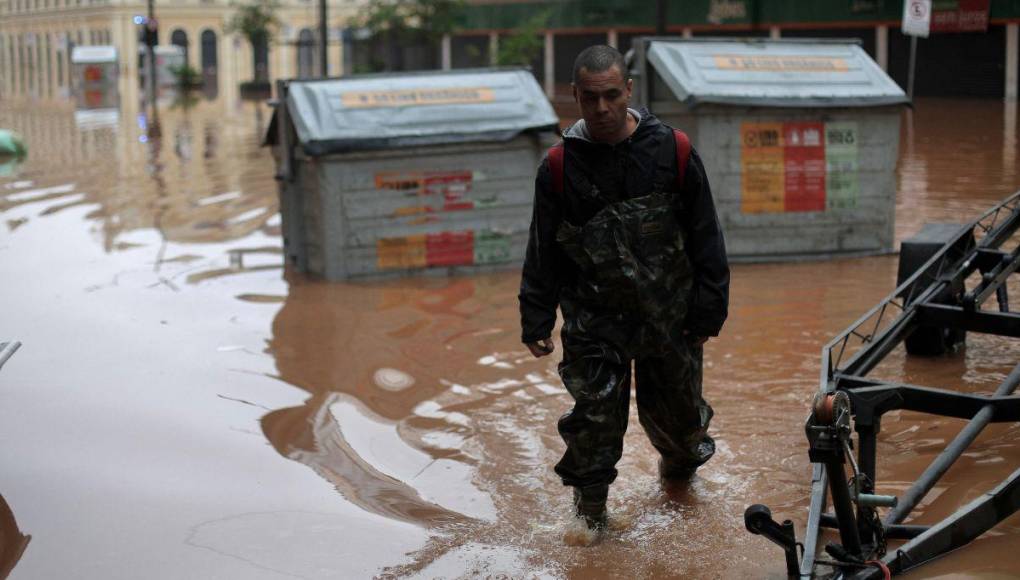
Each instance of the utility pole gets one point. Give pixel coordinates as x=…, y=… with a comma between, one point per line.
x=323, y=40
x=151, y=28
x=912, y=67
x=660, y=17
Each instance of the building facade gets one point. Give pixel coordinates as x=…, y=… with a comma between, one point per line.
x=981, y=62
x=37, y=37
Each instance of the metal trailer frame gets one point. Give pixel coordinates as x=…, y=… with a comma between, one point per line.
x=930, y=312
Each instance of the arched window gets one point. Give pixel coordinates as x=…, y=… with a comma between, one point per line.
x=305, y=53
x=180, y=38
x=261, y=59
x=209, y=57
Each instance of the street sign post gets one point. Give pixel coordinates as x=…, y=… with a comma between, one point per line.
x=917, y=18
x=916, y=22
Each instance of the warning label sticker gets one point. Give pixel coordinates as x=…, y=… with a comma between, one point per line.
x=752, y=63
x=416, y=97
x=458, y=248
x=798, y=166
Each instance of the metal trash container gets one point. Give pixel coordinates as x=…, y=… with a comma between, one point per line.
x=409, y=172
x=799, y=139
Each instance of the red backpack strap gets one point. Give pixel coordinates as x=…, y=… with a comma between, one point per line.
x=683, y=154
x=556, y=166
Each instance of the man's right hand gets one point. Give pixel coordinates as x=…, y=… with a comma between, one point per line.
x=541, y=348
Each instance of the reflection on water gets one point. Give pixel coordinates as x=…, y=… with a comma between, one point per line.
x=961, y=160
x=140, y=173
x=353, y=348
x=9, y=166
x=12, y=542
x=414, y=400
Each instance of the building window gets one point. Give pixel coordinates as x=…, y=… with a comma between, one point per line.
x=209, y=58
x=180, y=38
x=49, y=64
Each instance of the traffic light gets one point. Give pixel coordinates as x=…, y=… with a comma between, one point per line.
x=148, y=30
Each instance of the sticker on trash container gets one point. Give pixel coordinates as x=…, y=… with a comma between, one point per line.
x=803, y=167
x=461, y=248
x=433, y=191
x=450, y=248
x=492, y=248
x=401, y=253
x=761, y=168
x=800, y=166
x=792, y=63
x=416, y=97
x=842, y=184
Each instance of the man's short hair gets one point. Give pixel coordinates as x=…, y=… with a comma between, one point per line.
x=598, y=58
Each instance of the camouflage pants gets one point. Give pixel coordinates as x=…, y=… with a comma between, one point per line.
x=596, y=370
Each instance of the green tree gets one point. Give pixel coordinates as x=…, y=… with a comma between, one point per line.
x=256, y=20
x=187, y=76
x=523, y=46
x=408, y=22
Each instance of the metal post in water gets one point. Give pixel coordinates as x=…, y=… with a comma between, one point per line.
x=913, y=65
x=150, y=52
x=951, y=453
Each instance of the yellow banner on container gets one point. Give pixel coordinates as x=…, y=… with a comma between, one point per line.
x=417, y=97
x=400, y=253
x=761, y=168
x=751, y=63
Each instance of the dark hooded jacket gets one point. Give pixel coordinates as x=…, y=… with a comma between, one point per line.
x=628, y=169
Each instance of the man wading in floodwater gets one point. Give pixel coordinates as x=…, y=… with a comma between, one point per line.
x=625, y=240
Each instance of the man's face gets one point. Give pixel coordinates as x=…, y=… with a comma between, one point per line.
x=602, y=98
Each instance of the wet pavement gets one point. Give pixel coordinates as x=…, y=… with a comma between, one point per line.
x=183, y=407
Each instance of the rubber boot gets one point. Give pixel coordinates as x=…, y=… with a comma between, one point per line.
x=683, y=470
x=669, y=472
x=590, y=504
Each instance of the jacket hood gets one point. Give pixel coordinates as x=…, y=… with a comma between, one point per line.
x=646, y=122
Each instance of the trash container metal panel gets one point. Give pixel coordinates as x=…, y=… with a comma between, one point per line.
x=439, y=210
x=308, y=206
x=794, y=73
x=369, y=232
x=405, y=183
x=402, y=110
x=364, y=261
x=368, y=203
x=864, y=199
x=413, y=173
x=830, y=239
x=798, y=166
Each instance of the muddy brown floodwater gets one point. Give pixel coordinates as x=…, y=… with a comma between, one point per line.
x=182, y=407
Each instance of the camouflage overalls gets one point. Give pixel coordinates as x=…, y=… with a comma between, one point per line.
x=628, y=304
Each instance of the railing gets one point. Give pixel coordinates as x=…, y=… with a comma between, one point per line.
x=878, y=323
